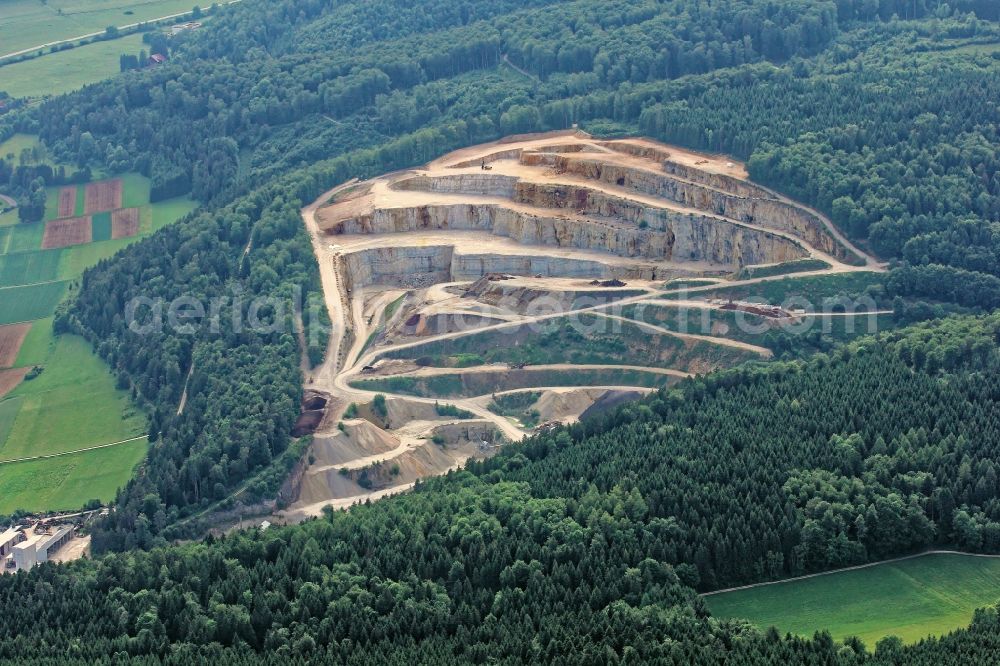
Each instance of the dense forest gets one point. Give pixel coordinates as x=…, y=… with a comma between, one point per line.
x=880, y=112
x=256, y=122
x=586, y=544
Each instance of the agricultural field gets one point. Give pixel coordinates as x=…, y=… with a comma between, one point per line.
x=61, y=483
x=911, y=599
x=56, y=395
x=65, y=71
x=72, y=404
x=30, y=302
x=29, y=23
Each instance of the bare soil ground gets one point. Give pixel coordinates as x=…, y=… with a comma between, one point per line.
x=566, y=404
x=9, y=379
x=11, y=337
x=69, y=231
x=76, y=548
x=67, y=201
x=102, y=196
x=124, y=223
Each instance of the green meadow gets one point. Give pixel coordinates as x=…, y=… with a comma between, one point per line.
x=65, y=71
x=29, y=23
x=911, y=599
x=19, y=304
x=73, y=402
x=71, y=405
x=810, y=289
x=68, y=482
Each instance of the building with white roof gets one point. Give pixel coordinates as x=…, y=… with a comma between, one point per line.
x=40, y=547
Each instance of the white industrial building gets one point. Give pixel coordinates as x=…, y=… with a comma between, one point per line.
x=39, y=547
x=10, y=538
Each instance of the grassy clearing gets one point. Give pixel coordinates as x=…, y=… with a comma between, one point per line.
x=808, y=292
x=38, y=301
x=28, y=23
x=518, y=406
x=68, y=482
x=71, y=405
x=681, y=283
x=798, y=266
x=484, y=383
x=912, y=599
x=11, y=150
x=12, y=147
x=162, y=213
x=583, y=340
x=799, y=337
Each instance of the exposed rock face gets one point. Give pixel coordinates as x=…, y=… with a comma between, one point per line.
x=312, y=414
x=469, y=431
x=474, y=266
x=419, y=267
x=686, y=237
x=408, y=267
x=512, y=154
x=719, y=181
x=484, y=184
x=762, y=212
x=622, y=228
x=649, y=152
x=513, y=298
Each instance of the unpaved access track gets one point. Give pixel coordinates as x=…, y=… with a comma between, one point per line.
x=539, y=216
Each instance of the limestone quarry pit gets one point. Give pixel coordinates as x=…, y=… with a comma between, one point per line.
x=426, y=272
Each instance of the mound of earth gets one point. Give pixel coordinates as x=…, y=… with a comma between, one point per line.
x=566, y=405
x=609, y=401
x=360, y=439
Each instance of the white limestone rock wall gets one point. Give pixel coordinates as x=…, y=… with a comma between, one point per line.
x=481, y=184
x=762, y=212
x=474, y=266
x=719, y=181
x=410, y=267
